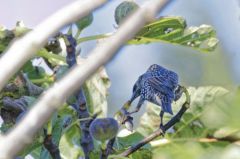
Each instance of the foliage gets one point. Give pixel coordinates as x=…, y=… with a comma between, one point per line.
x=175, y=31
x=209, y=129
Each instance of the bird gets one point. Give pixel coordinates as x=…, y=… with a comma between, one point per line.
x=157, y=85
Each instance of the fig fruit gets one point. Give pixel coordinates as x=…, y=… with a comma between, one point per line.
x=84, y=22
x=123, y=10
x=103, y=129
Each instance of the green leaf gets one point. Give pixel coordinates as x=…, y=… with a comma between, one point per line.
x=45, y=154
x=60, y=121
x=190, y=125
x=95, y=154
x=36, y=152
x=223, y=114
x=124, y=142
x=52, y=58
x=175, y=31
x=189, y=149
x=117, y=157
x=96, y=92
x=61, y=71
x=95, y=89
x=33, y=72
x=129, y=140
x=142, y=154
x=69, y=145
x=6, y=36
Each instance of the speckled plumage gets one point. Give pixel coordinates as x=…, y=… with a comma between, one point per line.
x=159, y=86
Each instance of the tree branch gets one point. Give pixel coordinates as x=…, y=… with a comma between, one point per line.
x=86, y=140
x=25, y=48
x=51, y=147
x=52, y=99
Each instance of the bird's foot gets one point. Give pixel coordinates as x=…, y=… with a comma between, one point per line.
x=124, y=115
x=162, y=128
x=127, y=120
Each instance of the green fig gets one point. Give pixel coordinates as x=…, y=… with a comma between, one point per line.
x=103, y=129
x=84, y=22
x=123, y=10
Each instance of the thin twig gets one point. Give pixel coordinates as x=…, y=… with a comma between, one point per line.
x=52, y=99
x=93, y=37
x=207, y=139
x=146, y=140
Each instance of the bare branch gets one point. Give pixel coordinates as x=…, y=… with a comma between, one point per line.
x=146, y=140
x=51, y=100
x=23, y=49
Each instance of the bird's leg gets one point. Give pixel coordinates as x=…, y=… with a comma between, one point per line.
x=122, y=114
x=135, y=110
x=127, y=105
x=178, y=116
x=161, y=119
x=140, y=103
x=125, y=117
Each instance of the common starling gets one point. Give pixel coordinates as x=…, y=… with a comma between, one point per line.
x=159, y=86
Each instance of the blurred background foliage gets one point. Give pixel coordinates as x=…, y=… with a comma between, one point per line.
x=209, y=129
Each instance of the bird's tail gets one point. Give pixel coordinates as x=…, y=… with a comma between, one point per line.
x=167, y=107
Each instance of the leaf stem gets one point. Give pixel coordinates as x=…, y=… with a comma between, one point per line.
x=42, y=80
x=45, y=54
x=77, y=34
x=49, y=127
x=93, y=37
x=69, y=32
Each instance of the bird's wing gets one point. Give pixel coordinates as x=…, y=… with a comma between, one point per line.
x=156, y=68
x=159, y=84
x=166, y=77
x=167, y=104
x=164, y=101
